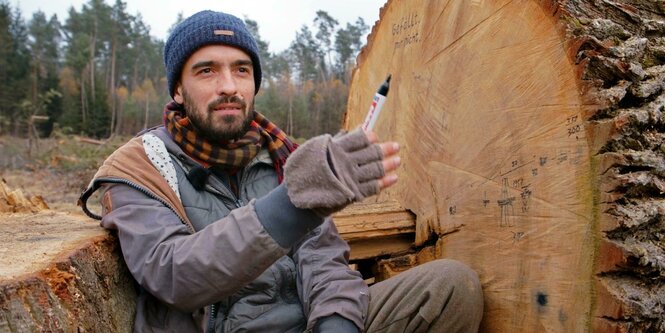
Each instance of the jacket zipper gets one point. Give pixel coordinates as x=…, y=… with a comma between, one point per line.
x=212, y=319
x=238, y=202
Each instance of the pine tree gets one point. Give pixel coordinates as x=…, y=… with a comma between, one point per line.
x=45, y=96
x=5, y=60
x=16, y=85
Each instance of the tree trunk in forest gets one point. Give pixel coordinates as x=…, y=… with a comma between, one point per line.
x=93, y=43
x=84, y=100
x=532, y=136
x=147, y=108
x=112, y=96
x=290, y=92
x=135, y=74
x=35, y=80
x=119, y=117
x=289, y=123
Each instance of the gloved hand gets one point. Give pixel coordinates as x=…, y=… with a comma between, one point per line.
x=327, y=173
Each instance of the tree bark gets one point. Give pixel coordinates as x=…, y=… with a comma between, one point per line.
x=532, y=135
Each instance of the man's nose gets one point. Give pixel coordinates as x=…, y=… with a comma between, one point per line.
x=226, y=84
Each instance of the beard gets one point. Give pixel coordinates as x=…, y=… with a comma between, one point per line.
x=215, y=129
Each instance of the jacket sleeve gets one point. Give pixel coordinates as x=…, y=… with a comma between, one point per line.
x=326, y=284
x=184, y=270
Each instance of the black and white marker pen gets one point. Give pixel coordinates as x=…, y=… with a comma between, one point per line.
x=377, y=105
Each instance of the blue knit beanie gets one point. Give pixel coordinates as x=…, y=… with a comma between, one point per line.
x=207, y=28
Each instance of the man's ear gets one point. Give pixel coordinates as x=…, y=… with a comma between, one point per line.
x=177, y=96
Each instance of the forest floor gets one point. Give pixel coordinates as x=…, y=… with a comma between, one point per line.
x=57, y=169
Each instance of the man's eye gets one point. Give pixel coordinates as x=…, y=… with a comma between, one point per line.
x=243, y=69
x=205, y=71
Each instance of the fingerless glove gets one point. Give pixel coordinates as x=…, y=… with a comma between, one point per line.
x=327, y=173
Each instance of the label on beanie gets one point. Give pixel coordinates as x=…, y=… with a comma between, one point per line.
x=224, y=32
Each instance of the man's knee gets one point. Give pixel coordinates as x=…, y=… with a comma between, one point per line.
x=461, y=278
x=459, y=288
x=445, y=294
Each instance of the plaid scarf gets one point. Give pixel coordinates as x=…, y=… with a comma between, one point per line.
x=231, y=155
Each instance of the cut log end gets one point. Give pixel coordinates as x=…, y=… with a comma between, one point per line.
x=532, y=137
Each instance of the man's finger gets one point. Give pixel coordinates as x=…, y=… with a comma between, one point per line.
x=389, y=148
x=387, y=180
x=391, y=163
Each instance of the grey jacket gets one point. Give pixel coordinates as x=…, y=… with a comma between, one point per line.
x=252, y=263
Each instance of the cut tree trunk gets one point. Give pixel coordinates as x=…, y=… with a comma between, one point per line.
x=532, y=139
x=59, y=272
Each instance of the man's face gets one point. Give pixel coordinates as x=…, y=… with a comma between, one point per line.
x=217, y=89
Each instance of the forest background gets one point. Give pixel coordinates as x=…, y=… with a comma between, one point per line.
x=100, y=73
x=73, y=91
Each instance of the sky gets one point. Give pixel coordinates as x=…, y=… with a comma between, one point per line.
x=278, y=20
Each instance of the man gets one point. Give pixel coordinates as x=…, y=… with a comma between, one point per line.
x=222, y=234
